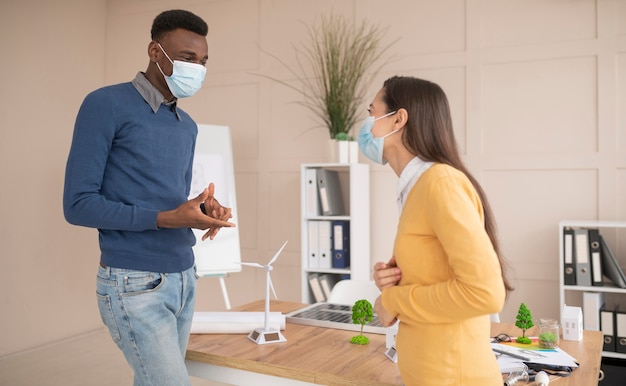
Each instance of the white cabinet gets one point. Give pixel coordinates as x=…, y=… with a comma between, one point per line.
x=573, y=295
x=354, y=186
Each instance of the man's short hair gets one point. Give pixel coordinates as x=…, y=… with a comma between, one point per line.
x=168, y=21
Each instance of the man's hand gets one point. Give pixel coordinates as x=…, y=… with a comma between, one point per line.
x=214, y=209
x=387, y=274
x=384, y=317
x=189, y=215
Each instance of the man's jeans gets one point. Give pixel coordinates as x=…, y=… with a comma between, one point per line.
x=149, y=318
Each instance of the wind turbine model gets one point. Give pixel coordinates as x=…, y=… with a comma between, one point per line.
x=266, y=334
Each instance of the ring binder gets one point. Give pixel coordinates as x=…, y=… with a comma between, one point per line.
x=569, y=263
x=596, y=258
x=581, y=252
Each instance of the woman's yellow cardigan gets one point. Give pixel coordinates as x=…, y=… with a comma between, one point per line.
x=451, y=282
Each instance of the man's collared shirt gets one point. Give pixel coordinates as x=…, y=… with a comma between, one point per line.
x=151, y=95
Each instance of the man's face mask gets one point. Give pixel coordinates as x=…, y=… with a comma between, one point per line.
x=186, y=77
x=371, y=147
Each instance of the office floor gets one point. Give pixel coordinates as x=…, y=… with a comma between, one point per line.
x=91, y=359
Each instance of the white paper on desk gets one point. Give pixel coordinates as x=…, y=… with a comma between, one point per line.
x=555, y=356
x=509, y=364
x=229, y=322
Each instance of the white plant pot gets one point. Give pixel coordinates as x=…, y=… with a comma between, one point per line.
x=343, y=151
x=354, y=152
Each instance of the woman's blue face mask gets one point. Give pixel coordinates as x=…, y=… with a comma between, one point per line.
x=371, y=147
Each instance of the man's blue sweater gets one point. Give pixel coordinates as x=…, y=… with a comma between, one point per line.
x=126, y=164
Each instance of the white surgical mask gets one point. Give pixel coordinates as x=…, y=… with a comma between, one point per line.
x=372, y=147
x=186, y=77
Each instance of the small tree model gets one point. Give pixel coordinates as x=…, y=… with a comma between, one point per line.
x=524, y=321
x=362, y=313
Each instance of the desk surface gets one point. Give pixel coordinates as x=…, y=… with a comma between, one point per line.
x=326, y=356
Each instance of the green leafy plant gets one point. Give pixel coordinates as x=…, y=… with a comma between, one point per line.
x=548, y=339
x=524, y=321
x=341, y=56
x=344, y=137
x=362, y=312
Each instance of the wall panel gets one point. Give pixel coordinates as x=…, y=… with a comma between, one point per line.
x=523, y=22
x=546, y=106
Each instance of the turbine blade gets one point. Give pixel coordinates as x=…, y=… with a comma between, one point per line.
x=277, y=253
x=252, y=264
x=272, y=286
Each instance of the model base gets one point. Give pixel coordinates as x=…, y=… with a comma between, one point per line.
x=392, y=354
x=261, y=336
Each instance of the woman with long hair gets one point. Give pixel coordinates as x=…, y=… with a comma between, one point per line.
x=446, y=274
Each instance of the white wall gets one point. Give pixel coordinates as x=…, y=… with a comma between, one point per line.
x=537, y=89
x=52, y=55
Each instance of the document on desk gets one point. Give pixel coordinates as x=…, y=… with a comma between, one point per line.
x=230, y=322
x=509, y=364
x=512, y=354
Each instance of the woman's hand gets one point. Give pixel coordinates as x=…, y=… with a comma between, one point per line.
x=387, y=274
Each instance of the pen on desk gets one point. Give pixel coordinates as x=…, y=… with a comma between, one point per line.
x=533, y=353
x=511, y=354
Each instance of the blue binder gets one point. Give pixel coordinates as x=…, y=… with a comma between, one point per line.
x=341, y=244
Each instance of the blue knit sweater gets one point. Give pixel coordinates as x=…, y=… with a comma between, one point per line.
x=127, y=163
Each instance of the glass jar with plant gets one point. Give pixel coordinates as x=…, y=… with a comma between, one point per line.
x=548, y=333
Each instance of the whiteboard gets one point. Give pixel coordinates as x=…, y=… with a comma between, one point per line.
x=213, y=162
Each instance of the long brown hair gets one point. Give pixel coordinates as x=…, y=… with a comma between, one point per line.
x=430, y=136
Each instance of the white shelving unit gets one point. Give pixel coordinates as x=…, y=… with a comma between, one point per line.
x=355, y=188
x=576, y=291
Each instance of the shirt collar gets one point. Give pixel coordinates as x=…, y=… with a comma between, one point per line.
x=151, y=95
x=409, y=176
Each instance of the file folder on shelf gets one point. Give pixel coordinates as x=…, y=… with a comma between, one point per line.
x=610, y=266
x=596, y=258
x=569, y=268
x=620, y=331
x=606, y=323
x=311, y=193
x=592, y=304
x=327, y=282
x=341, y=244
x=325, y=244
x=329, y=192
x=316, y=288
x=581, y=253
x=314, y=244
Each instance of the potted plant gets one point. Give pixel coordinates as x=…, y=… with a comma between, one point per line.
x=334, y=69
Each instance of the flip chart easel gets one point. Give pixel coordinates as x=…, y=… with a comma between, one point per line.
x=213, y=162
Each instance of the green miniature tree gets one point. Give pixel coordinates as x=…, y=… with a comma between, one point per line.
x=524, y=322
x=362, y=312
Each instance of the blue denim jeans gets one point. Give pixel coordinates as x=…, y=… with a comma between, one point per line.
x=149, y=318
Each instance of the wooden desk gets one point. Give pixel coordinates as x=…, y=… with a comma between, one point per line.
x=315, y=355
